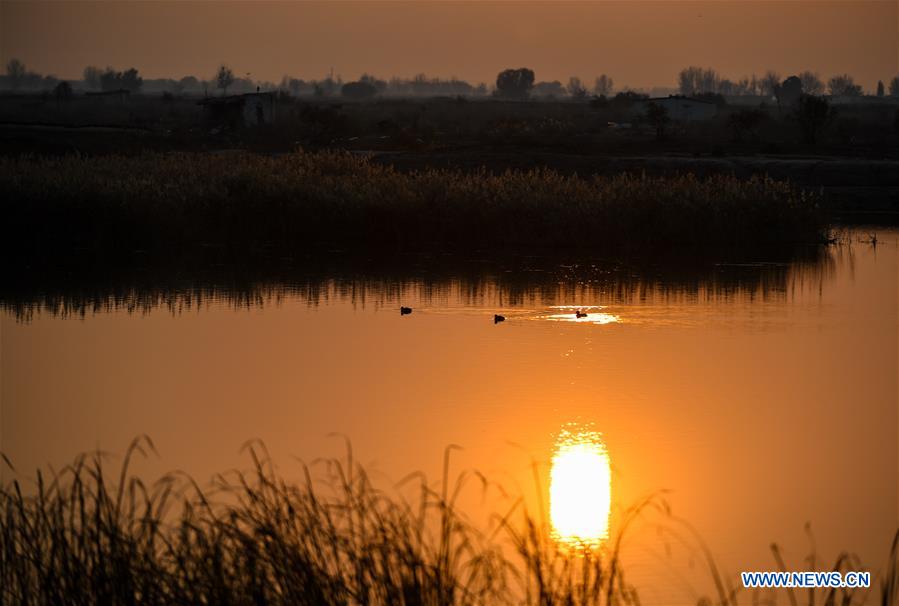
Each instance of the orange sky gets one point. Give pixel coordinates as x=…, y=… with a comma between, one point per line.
x=639, y=43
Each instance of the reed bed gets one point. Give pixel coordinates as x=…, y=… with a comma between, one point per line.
x=155, y=203
x=81, y=537
x=253, y=538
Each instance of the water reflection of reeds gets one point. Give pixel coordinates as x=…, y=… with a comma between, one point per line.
x=507, y=283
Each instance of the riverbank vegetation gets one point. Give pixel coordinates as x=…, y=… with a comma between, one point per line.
x=154, y=204
x=83, y=537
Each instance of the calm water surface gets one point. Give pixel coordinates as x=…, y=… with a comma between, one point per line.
x=762, y=396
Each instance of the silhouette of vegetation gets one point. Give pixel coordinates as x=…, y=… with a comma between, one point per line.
x=576, y=88
x=657, y=116
x=81, y=285
x=114, y=205
x=515, y=83
x=15, y=71
x=769, y=83
x=811, y=83
x=373, y=81
x=789, y=92
x=626, y=99
x=91, y=77
x=695, y=80
x=843, y=86
x=129, y=80
x=813, y=115
x=358, y=90
x=550, y=90
x=224, y=78
x=603, y=86
x=85, y=535
x=18, y=77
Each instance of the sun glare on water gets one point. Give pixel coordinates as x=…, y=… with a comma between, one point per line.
x=580, y=489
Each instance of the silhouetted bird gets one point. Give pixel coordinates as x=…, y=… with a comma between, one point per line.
x=498, y=318
x=580, y=314
x=405, y=311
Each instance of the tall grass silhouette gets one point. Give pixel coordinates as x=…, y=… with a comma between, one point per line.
x=81, y=537
x=158, y=203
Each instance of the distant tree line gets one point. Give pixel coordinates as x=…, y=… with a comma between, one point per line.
x=697, y=80
x=18, y=77
x=112, y=80
x=513, y=83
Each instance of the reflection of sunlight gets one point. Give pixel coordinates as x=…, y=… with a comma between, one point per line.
x=580, y=488
x=592, y=315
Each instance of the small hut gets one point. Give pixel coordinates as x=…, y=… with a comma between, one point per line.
x=238, y=111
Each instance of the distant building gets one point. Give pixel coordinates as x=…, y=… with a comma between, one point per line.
x=235, y=111
x=682, y=109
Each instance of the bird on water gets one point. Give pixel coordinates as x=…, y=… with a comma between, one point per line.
x=405, y=311
x=580, y=314
x=498, y=318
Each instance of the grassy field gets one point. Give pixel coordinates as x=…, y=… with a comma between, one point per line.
x=79, y=537
x=154, y=204
x=867, y=128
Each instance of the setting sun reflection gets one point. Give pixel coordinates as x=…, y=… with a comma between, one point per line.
x=582, y=315
x=580, y=488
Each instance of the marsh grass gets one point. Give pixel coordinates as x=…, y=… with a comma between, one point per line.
x=155, y=204
x=81, y=537
x=251, y=539
x=254, y=538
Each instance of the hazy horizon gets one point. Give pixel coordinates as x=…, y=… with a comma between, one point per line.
x=640, y=44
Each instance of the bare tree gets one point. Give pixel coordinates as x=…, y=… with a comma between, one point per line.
x=811, y=83
x=755, y=85
x=687, y=80
x=695, y=80
x=880, y=88
x=380, y=85
x=91, y=76
x=745, y=86
x=603, y=86
x=844, y=86
x=769, y=83
x=576, y=88
x=15, y=71
x=894, y=87
x=709, y=81
x=224, y=78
